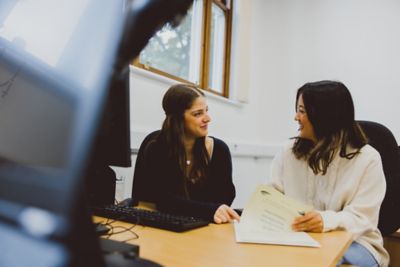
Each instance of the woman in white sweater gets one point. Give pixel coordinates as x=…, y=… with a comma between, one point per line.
x=331, y=167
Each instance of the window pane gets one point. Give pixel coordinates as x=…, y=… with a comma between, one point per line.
x=217, y=49
x=176, y=51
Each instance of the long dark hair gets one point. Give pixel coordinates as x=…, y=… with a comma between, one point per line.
x=177, y=99
x=330, y=109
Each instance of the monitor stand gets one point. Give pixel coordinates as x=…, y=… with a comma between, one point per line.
x=100, y=184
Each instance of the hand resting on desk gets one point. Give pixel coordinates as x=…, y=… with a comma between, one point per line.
x=309, y=222
x=225, y=214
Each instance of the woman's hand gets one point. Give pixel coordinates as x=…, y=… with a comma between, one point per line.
x=309, y=222
x=225, y=214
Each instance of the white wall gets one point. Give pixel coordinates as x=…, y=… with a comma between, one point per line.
x=354, y=41
x=278, y=45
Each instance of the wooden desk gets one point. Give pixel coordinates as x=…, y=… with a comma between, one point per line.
x=215, y=245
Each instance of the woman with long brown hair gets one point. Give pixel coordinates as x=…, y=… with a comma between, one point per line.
x=184, y=170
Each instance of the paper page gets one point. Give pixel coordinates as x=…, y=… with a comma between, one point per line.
x=249, y=235
x=268, y=216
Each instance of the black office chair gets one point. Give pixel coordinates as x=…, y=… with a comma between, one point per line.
x=142, y=187
x=382, y=139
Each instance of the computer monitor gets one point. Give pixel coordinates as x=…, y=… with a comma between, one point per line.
x=57, y=59
x=112, y=144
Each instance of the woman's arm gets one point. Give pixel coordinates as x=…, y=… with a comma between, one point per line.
x=361, y=212
x=162, y=185
x=219, y=191
x=276, y=174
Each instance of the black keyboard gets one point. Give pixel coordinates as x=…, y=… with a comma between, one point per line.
x=157, y=219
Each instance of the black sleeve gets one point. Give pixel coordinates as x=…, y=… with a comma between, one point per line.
x=153, y=180
x=184, y=206
x=169, y=200
x=156, y=181
x=221, y=189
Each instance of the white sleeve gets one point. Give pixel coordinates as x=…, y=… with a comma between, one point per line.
x=277, y=171
x=361, y=212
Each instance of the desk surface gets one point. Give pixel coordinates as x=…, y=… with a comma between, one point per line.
x=215, y=245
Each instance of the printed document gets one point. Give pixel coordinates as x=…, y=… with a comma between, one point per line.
x=268, y=217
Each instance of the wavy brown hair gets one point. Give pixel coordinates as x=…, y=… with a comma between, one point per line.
x=176, y=101
x=330, y=109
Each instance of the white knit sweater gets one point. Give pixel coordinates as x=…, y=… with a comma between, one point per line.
x=348, y=196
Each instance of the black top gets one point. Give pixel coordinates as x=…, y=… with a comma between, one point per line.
x=158, y=179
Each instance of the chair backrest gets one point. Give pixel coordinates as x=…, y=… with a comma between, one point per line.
x=142, y=187
x=382, y=139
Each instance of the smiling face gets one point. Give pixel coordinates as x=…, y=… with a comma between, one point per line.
x=306, y=130
x=196, y=119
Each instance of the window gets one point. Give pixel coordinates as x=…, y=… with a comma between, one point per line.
x=197, y=50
